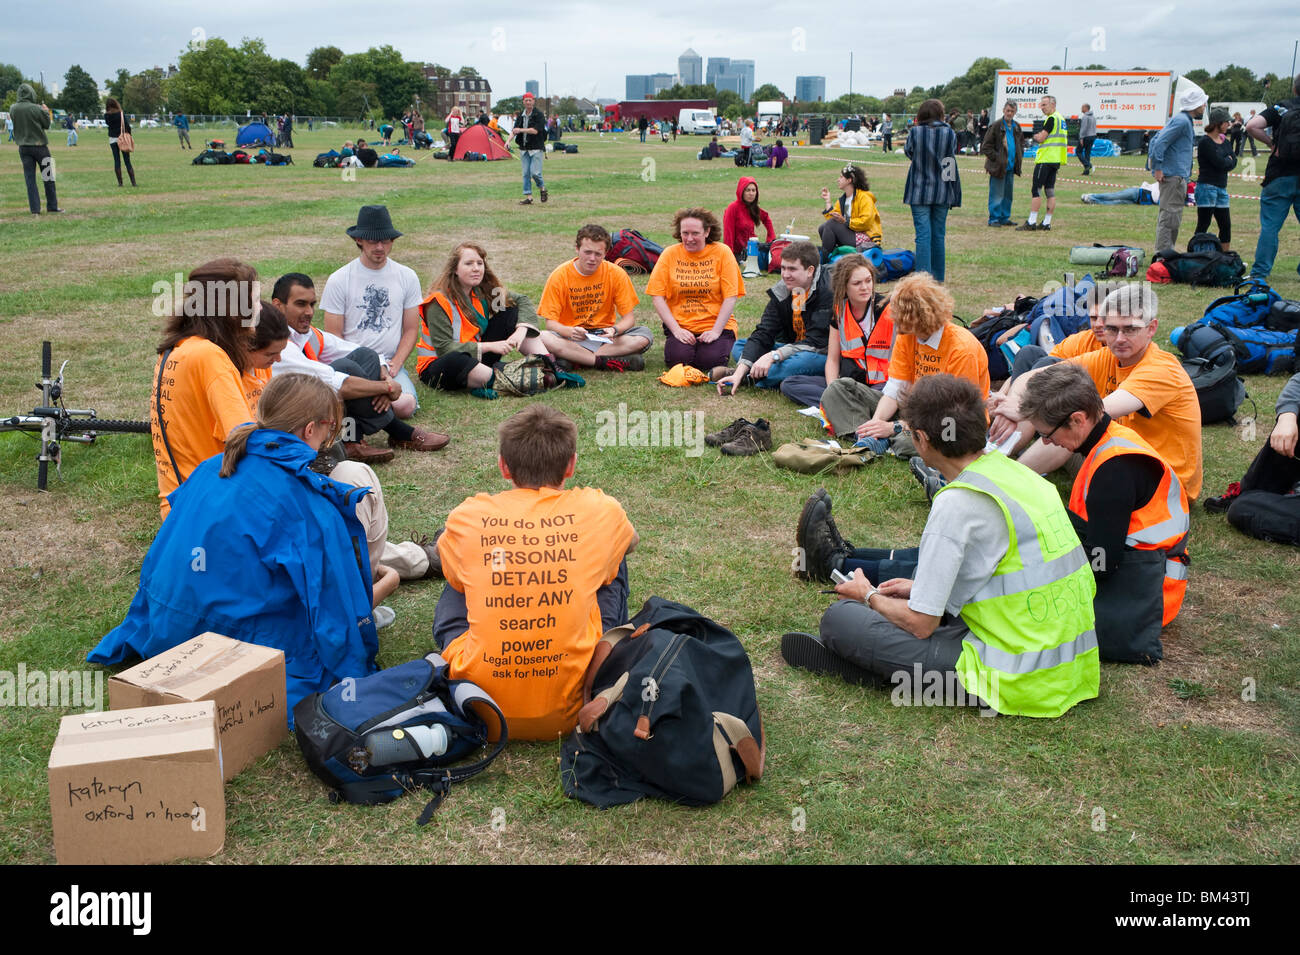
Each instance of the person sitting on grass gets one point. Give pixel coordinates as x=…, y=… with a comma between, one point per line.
x=853, y=218
x=780, y=155
x=792, y=333
x=1142, y=386
x=469, y=322
x=1265, y=503
x=695, y=286
x=535, y=576
x=926, y=342
x=741, y=220
x=261, y=548
x=1000, y=598
x=1128, y=508
x=589, y=296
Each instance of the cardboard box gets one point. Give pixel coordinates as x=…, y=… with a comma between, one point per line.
x=138, y=786
x=245, y=681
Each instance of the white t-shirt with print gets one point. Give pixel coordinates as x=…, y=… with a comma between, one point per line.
x=372, y=302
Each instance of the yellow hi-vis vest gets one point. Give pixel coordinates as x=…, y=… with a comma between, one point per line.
x=1032, y=649
x=1052, y=149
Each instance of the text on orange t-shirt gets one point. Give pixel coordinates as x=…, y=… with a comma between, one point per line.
x=592, y=301
x=695, y=286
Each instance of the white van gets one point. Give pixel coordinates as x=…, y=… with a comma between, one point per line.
x=700, y=121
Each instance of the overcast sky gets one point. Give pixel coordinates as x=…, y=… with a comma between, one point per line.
x=588, y=47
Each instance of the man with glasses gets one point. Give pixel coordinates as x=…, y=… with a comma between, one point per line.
x=1128, y=508
x=1142, y=386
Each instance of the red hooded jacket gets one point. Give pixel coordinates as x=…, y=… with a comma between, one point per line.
x=737, y=224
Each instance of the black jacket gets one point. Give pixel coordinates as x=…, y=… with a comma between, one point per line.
x=777, y=321
x=536, y=120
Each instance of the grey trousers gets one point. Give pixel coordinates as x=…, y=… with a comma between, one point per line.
x=1173, y=200
x=363, y=363
x=848, y=403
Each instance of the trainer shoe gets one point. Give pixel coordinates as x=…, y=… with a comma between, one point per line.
x=807, y=652
x=719, y=438
x=526, y=201
x=1217, y=505
x=1028, y=227
x=383, y=616
x=824, y=549
x=1044, y=227
x=751, y=439
x=421, y=440
x=621, y=363
x=929, y=478
x=365, y=453
x=430, y=548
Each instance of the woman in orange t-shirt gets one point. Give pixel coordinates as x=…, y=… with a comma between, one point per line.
x=695, y=285
x=201, y=383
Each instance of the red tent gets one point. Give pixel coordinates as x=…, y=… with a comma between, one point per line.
x=480, y=139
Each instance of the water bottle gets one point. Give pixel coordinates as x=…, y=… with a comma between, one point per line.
x=406, y=744
x=1257, y=298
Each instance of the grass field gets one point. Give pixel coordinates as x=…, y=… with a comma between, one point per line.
x=1184, y=769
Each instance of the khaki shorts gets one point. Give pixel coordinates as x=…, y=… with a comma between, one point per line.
x=638, y=330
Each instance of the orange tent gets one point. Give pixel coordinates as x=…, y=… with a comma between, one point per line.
x=479, y=139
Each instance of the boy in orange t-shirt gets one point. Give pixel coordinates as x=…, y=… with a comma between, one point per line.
x=695, y=286
x=592, y=295
x=535, y=575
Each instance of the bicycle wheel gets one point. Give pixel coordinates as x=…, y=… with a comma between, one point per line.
x=109, y=426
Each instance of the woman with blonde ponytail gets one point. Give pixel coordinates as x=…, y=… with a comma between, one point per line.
x=261, y=548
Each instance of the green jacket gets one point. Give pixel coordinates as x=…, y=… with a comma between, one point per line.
x=30, y=120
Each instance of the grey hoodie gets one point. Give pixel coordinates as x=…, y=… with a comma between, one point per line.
x=30, y=121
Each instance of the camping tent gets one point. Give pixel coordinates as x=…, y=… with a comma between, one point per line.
x=480, y=139
x=255, y=134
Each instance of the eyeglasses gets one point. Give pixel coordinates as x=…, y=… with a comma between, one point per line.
x=1128, y=331
x=1043, y=437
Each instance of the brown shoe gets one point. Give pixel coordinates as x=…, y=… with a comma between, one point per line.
x=719, y=372
x=431, y=551
x=421, y=440
x=360, y=451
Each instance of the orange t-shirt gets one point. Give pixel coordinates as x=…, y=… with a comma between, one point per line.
x=592, y=301
x=1080, y=343
x=959, y=354
x=1171, y=422
x=529, y=562
x=203, y=397
x=695, y=286
x=255, y=382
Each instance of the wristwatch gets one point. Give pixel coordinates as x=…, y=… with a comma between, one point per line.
x=898, y=428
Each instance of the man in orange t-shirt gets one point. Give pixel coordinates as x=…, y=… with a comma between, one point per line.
x=695, y=286
x=535, y=575
x=587, y=304
x=1142, y=386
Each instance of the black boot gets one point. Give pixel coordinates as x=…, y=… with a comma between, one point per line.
x=119, y=176
x=823, y=548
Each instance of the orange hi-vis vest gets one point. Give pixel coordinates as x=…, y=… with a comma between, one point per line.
x=315, y=343
x=871, y=354
x=1161, y=524
x=464, y=331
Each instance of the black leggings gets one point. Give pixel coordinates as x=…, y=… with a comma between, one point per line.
x=1222, y=217
x=450, y=372
x=118, y=156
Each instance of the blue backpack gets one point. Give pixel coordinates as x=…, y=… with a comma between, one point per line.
x=376, y=738
x=897, y=263
x=1065, y=310
x=1258, y=350
x=1242, y=309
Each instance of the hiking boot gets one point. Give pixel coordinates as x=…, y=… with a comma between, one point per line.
x=366, y=454
x=421, y=440
x=1217, y=505
x=621, y=363
x=929, y=478
x=719, y=372
x=526, y=201
x=807, y=652
x=544, y=194
x=824, y=549
x=1028, y=227
x=430, y=548
x=751, y=439
x=719, y=438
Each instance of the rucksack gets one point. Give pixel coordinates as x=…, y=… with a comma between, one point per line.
x=1211, y=362
x=570, y=148
x=1258, y=350
x=368, y=738
x=669, y=711
x=774, y=254
x=633, y=246
x=329, y=160
x=1218, y=269
x=1283, y=316
x=988, y=330
x=1243, y=308
x=1287, y=139
x=897, y=263
x=1123, y=264
x=1204, y=242
x=1064, y=310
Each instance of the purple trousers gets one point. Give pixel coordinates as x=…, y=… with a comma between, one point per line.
x=700, y=355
